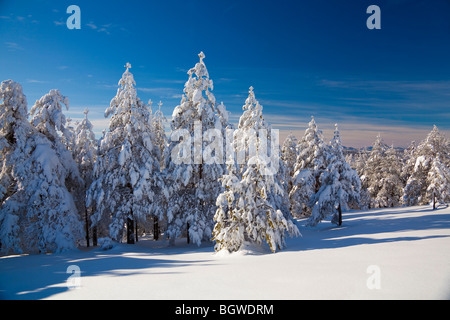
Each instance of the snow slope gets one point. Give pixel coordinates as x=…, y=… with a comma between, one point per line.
x=409, y=247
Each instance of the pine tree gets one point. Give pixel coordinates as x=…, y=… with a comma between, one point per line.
x=428, y=180
x=373, y=173
x=85, y=155
x=289, y=158
x=14, y=132
x=438, y=181
x=245, y=212
x=229, y=228
x=158, y=124
x=127, y=161
x=408, y=162
x=196, y=158
x=339, y=186
x=253, y=209
x=311, y=162
x=255, y=137
x=391, y=190
x=38, y=214
x=161, y=191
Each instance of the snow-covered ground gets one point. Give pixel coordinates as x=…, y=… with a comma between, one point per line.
x=401, y=253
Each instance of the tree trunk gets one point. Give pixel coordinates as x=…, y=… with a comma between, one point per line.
x=434, y=201
x=340, y=215
x=188, y=237
x=87, y=225
x=136, y=231
x=130, y=231
x=155, y=229
x=94, y=236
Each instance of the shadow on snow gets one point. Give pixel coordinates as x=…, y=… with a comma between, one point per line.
x=42, y=276
x=358, y=226
x=45, y=275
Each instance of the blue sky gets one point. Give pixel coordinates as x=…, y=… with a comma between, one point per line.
x=302, y=57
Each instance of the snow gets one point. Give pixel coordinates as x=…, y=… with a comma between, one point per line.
x=408, y=246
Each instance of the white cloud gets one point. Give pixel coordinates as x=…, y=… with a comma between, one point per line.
x=13, y=46
x=92, y=25
x=36, y=81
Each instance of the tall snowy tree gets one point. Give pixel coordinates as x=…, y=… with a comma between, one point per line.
x=438, y=181
x=85, y=155
x=14, y=132
x=391, y=191
x=408, y=162
x=339, y=186
x=158, y=125
x=429, y=179
x=161, y=194
x=253, y=209
x=127, y=161
x=196, y=157
x=289, y=158
x=373, y=173
x=38, y=214
x=255, y=137
x=311, y=162
x=359, y=165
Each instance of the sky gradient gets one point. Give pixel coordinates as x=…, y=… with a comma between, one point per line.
x=303, y=58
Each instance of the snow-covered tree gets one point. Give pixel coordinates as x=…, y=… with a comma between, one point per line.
x=158, y=125
x=39, y=214
x=14, y=132
x=48, y=118
x=438, y=181
x=339, y=186
x=255, y=137
x=311, y=162
x=289, y=157
x=255, y=208
x=246, y=213
x=229, y=229
x=373, y=173
x=195, y=159
x=391, y=191
x=85, y=155
x=428, y=180
x=161, y=197
x=408, y=162
x=251, y=127
x=126, y=163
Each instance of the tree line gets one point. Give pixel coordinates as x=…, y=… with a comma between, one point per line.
x=60, y=187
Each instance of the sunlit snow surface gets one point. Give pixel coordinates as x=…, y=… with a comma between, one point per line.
x=409, y=247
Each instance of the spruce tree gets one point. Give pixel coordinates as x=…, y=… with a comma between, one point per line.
x=122, y=190
x=289, y=158
x=311, y=162
x=37, y=212
x=391, y=190
x=85, y=155
x=253, y=206
x=429, y=180
x=373, y=173
x=195, y=158
x=339, y=186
